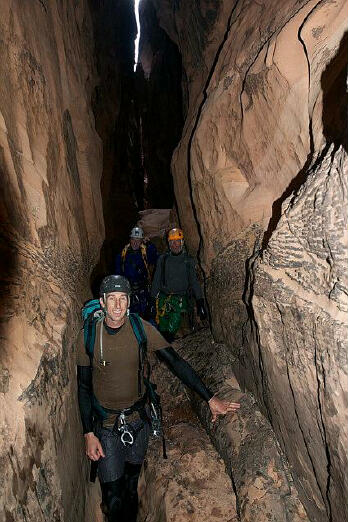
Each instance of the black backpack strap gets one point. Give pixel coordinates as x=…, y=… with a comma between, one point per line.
x=139, y=332
x=187, y=266
x=89, y=328
x=140, y=335
x=163, y=271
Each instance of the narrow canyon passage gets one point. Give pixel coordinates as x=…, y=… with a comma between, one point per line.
x=232, y=123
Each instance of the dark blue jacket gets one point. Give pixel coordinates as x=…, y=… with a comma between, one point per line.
x=133, y=266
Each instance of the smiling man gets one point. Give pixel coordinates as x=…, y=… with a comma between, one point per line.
x=110, y=383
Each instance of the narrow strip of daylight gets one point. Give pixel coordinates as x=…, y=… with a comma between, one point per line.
x=136, y=41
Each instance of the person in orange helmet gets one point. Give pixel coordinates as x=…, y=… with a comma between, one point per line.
x=174, y=282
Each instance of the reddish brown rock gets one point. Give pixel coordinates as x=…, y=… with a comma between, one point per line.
x=266, y=91
x=192, y=483
x=51, y=232
x=299, y=298
x=261, y=477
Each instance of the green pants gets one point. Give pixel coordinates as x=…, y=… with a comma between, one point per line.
x=170, y=310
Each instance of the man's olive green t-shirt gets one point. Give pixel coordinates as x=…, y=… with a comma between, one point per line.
x=116, y=384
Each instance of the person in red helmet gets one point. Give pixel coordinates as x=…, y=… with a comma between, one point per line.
x=174, y=282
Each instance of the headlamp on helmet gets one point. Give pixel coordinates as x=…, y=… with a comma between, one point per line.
x=114, y=283
x=175, y=233
x=137, y=233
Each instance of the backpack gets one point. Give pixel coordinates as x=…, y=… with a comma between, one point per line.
x=189, y=293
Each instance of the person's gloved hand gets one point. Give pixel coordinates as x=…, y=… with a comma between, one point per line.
x=201, y=310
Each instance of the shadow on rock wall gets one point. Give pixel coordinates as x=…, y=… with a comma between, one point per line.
x=335, y=97
x=8, y=265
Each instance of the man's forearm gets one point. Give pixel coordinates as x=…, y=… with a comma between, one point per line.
x=84, y=387
x=184, y=371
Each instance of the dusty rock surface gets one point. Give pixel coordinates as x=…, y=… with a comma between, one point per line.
x=156, y=222
x=300, y=302
x=265, y=95
x=51, y=232
x=192, y=484
x=266, y=91
x=256, y=92
x=262, y=481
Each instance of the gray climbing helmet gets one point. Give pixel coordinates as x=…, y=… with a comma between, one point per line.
x=137, y=233
x=114, y=283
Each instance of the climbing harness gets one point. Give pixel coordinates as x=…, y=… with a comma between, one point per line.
x=161, y=310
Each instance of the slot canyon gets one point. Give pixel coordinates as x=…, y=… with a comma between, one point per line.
x=233, y=126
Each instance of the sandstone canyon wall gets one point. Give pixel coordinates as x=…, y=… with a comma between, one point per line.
x=260, y=177
x=51, y=232
x=260, y=181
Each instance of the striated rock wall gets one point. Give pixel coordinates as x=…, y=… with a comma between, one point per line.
x=260, y=182
x=51, y=232
x=299, y=298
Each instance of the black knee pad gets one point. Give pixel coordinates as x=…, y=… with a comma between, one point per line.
x=131, y=475
x=132, y=472
x=113, y=498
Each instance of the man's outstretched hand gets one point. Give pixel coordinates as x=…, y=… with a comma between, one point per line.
x=94, y=449
x=221, y=407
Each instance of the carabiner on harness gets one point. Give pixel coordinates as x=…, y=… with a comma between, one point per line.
x=126, y=435
x=156, y=424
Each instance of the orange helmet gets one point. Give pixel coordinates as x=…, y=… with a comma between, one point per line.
x=175, y=233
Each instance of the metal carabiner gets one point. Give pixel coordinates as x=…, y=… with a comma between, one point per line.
x=124, y=430
x=156, y=424
x=154, y=411
x=126, y=434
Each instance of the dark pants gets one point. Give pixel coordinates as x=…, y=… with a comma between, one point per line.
x=120, y=497
x=119, y=471
x=140, y=302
